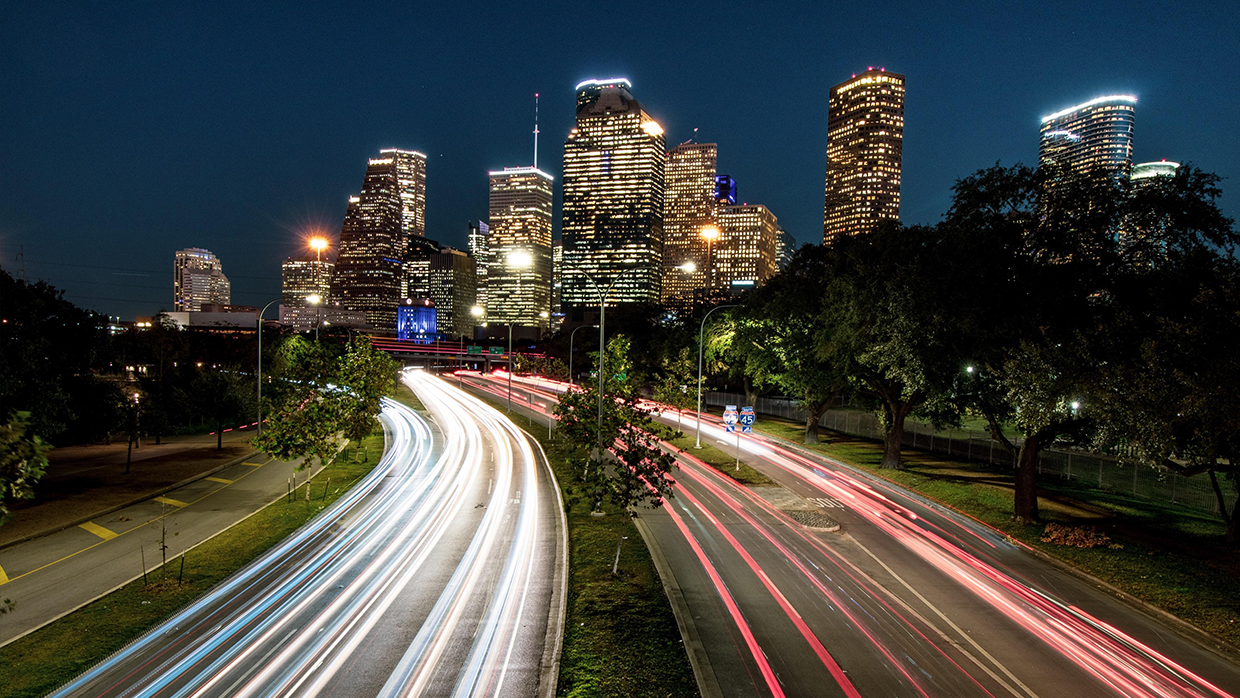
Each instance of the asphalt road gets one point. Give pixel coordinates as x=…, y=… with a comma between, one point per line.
x=909, y=599
x=439, y=574
x=52, y=575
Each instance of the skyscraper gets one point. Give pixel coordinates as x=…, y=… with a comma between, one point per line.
x=453, y=290
x=1151, y=171
x=557, y=274
x=478, y=232
x=303, y=277
x=197, y=278
x=613, y=198
x=785, y=247
x=747, y=252
x=379, y=225
x=865, y=139
x=519, y=247
x=1094, y=135
x=688, y=207
x=725, y=190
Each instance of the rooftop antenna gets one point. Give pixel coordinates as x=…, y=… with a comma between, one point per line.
x=536, y=130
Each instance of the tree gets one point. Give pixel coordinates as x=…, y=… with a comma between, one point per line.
x=365, y=376
x=891, y=315
x=1061, y=324
x=303, y=413
x=223, y=397
x=629, y=433
x=23, y=459
x=779, y=338
x=673, y=388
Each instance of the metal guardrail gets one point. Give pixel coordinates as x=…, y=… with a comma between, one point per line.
x=1100, y=471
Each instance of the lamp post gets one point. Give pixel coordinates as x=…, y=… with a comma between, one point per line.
x=571, y=335
x=518, y=260
x=710, y=233
x=602, y=347
x=317, y=243
x=313, y=299
x=701, y=347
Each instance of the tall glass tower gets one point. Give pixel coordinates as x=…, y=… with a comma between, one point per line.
x=519, y=248
x=379, y=225
x=689, y=207
x=865, y=142
x=613, y=198
x=1095, y=135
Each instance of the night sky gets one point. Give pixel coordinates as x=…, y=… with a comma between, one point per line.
x=131, y=130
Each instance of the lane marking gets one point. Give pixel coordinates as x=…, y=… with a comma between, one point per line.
x=4, y=579
x=98, y=530
x=173, y=502
x=219, y=480
x=953, y=626
x=256, y=465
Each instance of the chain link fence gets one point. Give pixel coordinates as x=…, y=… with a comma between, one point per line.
x=1100, y=471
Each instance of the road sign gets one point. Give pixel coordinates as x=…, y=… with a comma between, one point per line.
x=495, y=350
x=730, y=417
x=747, y=418
x=473, y=349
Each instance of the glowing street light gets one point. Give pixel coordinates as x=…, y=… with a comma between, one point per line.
x=688, y=267
x=318, y=243
x=710, y=233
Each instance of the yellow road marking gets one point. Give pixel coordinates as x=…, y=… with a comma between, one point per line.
x=4, y=579
x=98, y=530
x=254, y=465
x=173, y=502
x=219, y=480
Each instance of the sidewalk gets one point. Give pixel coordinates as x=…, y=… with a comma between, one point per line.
x=83, y=482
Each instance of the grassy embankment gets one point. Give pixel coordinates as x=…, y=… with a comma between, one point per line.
x=620, y=636
x=51, y=656
x=1172, y=557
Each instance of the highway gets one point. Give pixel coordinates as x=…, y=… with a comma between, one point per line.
x=908, y=599
x=439, y=574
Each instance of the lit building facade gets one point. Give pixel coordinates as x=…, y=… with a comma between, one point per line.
x=1093, y=136
x=691, y=192
x=614, y=162
x=725, y=190
x=303, y=277
x=747, y=252
x=417, y=320
x=454, y=290
x=198, y=278
x=1150, y=171
x=478, y=232
x=379, y=226
x=557, y=274
x=865, y=141
x=519, y=273
x=785, y=247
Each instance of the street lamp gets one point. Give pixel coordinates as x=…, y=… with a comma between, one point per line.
x=710, y=233
x=570, y=351
x=314, y=299
x=518, y=260
x=318, y=243
x=602, y=347
x=701, y=347
x=259, y=392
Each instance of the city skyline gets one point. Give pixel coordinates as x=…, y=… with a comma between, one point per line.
x=960, y=119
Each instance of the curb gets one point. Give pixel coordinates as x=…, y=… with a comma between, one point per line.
x=708, y=685
x=104, y=512
x=1187, y=630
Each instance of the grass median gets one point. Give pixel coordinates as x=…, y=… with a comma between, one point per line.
x=51, y=656
x=620, y=636
x=1169, y=556
x=722, y=462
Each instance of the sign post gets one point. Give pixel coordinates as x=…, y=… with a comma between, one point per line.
x=747, y=418
x=730, y=418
